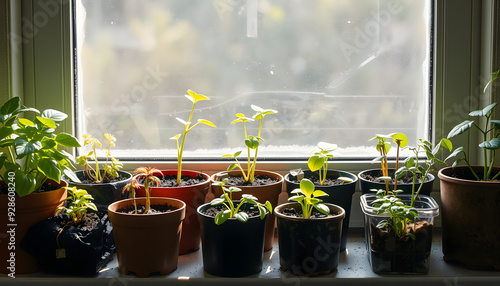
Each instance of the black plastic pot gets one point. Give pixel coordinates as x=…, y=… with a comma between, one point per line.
x=309, y=247
x=366, y=185
x=232, y=249
x=104, y=194
x=340, y=195
x=85, y=252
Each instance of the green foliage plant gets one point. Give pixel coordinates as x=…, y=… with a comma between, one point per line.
x=401, y=215
x=383, y=148
x=194, y=98
x=490, y=132
x=251, y=142
x=111, y=165
x=232, y=210
x=319, y=161
x=31, y=148
x=80, y=202
x=150, y=179
x=307, y=197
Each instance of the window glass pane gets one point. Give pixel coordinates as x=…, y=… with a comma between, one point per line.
x=338, y=71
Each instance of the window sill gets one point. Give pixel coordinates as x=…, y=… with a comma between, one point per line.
x=353, y=269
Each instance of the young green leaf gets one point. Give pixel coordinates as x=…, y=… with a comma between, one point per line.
x=460, y=128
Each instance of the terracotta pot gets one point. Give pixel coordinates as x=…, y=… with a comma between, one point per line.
x=234, y=248
x=29, y=210
x=263, y=193
x=340, y=195
x=366, y=185
x=147, y=243
x=470, y=214
x=193, y=196
x=104, y=194
x=309, y=247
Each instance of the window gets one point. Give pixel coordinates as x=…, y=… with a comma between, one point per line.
x=338, y=71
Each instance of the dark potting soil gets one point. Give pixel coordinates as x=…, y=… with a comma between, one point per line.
x=403, y=180
x=169, y=181
x=315, y=180
x=384, y=239
x=47, y=187
x=259, y=180
x=91, y=220
x=292, y=212
x=466, y=174
x=108, y=179
x=153, y=209
x=214, y=210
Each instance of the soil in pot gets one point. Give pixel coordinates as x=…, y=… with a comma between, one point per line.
x=84, y=178
x=154, y=209
x=315, y=180
x=390, y=254
x=259, y=180
x=369, y=179
x=403, y=180
x=169, y=181
x=81, y=249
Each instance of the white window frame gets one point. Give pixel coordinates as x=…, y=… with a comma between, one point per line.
x=43, y=72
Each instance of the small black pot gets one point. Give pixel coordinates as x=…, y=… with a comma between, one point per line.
x=309, y=247
x=340, y=195
x=104, y=194
x=366, y=185
x=86, y=252
x=232, y=249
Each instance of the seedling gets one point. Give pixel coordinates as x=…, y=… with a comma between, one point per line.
x=80, y=202
x=383, y=148
x=111, y=165
x=319, y=161
x=194, y=98
x=400, y=214
x=307, y=197
x=412, y=164
x=232, y=210
x=150, y=177
x=252, y=142
x=491, y=138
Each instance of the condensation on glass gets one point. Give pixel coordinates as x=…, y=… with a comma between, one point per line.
x=338, y=71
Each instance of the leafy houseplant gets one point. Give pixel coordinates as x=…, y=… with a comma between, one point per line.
x=385, y=176
x=32, y=167
x=160, y=222
x=104, y=183
x=472, y=239
x=339, y=185
x=304, y=234
x=229, y=227
x=32, y=153
x=269, y=185
x=398, y=228
x=77, y=241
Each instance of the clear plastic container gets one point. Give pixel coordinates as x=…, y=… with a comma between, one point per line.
x=389, y=254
